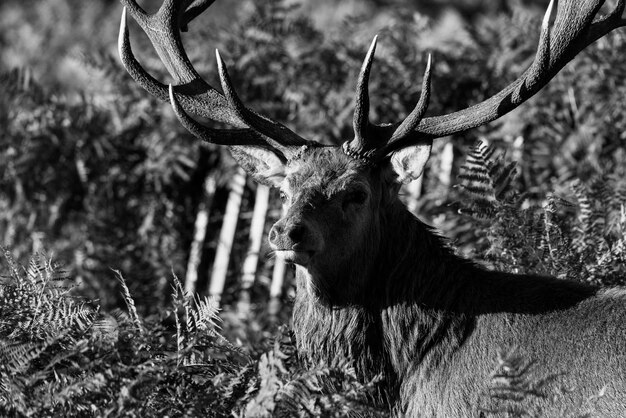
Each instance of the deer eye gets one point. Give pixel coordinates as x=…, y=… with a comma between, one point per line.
x=357, y=197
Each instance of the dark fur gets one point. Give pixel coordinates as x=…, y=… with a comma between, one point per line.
x=402, y=304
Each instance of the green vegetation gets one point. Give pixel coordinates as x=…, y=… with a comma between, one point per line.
x=99, y=174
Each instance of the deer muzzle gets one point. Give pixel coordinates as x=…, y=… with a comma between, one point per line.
x=294, y=241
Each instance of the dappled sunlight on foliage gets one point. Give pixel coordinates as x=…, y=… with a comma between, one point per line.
x=63, y=356
x=101, y=175
x=581, y=240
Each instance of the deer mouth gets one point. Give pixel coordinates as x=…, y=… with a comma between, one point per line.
x=301, y=257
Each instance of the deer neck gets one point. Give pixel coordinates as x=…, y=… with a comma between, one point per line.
x=363, y=327
x=415, y=265
x=421, y=294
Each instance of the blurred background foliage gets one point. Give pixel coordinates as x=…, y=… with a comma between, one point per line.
x=101, y=175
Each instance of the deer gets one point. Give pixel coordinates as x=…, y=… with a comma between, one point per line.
x=376, y=284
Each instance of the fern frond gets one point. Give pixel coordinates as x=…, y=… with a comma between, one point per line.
x=62, y=392
x=37, y=304
x=17, y=357
x=485, y=180
x=130, y=302
x=205, y=315
x=180, y=301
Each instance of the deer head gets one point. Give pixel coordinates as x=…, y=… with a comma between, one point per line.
x=335, y=197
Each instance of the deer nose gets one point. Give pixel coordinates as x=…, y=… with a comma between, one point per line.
x=296, y=233
x=286, y=236
x=274, y=232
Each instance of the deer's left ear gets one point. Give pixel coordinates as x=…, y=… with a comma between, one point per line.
x=409, y=162
x=265, y=166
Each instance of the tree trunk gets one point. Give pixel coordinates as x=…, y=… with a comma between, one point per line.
x=276, y=288
x=199, y=234
x=227, y=235
x=257, y=228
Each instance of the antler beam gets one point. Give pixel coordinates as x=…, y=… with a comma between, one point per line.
x=561, y=39
x=192, y=94
x=570, y=31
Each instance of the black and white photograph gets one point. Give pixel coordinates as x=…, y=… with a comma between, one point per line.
x=291, y=208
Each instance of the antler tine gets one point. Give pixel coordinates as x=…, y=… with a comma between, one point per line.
x=572, y=30
x=542, y=57
x=194, y=10
x=360, y=146
x=194, y=94
x=135, y=11
x=362, y=102
x=608, y=23
x=133, y=67
x=413, y=119
x=269, y=128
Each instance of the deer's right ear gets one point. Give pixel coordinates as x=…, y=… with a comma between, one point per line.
x=265, y=166
x=409, y=163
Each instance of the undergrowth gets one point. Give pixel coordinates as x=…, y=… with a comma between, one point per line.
x=61, y=356
x=581, y=237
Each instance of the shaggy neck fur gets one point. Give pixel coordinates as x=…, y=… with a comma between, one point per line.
x=419, y=303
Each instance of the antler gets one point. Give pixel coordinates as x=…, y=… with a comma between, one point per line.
x=572, y=30
x=193, y=94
